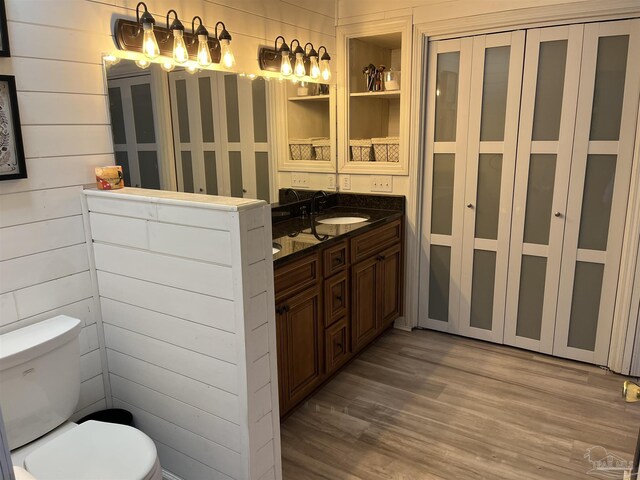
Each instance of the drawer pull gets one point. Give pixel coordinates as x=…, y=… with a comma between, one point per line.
x=338, y=297
x=337, y=260
x=380, y=257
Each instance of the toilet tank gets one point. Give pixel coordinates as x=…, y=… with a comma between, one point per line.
x=39, y=377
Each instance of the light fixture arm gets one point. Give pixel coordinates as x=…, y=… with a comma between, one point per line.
x=146, y=17
x=175, y=25
x=312, y=52
x=325, y=55
x=224, y=34
x=201, y=30
x=298, y=48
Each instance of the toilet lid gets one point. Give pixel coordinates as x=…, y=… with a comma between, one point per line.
x=95, y=450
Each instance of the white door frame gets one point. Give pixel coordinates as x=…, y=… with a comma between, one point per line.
x=522, y=18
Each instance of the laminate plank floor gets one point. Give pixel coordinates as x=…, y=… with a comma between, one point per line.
x=427, y=405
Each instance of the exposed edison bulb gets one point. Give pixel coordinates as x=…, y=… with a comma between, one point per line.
x=192, y=67
x=299, y=69
x=204, y=55
x=168, y=65
x=149, y=43
x=314, y=69
x=285, y=65
x=325, y=70
x=143, y=63
x=180, y=54
x=227, y=59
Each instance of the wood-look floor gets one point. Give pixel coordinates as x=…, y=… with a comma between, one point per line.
x=429, y=405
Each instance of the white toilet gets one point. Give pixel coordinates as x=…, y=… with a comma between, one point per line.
x=39, y=390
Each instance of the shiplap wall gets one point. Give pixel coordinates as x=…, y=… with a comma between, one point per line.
x=186, y=295
x=56, y=50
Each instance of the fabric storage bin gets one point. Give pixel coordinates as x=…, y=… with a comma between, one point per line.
x=386, y=149
x=301, y=148
x=361, y=150
x=322, y=149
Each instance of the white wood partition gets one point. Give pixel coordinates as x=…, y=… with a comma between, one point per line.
x=186, y=294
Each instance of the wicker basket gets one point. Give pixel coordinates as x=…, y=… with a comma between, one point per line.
x=322, y=149
x=361, y=150
x=386, y=149
x=301, y=148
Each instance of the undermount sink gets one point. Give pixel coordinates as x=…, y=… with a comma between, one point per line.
x=342, y=220
x=276, y=247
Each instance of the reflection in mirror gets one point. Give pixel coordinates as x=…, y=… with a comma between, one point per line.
x=206, y=132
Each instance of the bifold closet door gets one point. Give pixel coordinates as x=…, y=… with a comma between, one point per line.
x=547, y=121
x=598, y=189
x=496, y=78
x=197, y=133
x=134, y=130
x=448, y=83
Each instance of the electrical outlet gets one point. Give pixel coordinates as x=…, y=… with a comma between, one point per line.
x=382, y=183
x=345, y=182
x=331, y=181
x=300, y=180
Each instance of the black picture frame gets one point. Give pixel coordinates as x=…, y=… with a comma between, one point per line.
x=16, y=130
x=4, y=33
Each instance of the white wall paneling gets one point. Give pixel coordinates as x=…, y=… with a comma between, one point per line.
x=184, y=282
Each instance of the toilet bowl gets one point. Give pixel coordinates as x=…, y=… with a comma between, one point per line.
x=39, y=390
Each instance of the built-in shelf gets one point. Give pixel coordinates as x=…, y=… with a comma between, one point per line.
x=310, y=98
x=385, y=94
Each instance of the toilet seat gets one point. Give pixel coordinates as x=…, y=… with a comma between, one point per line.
x=96, y=450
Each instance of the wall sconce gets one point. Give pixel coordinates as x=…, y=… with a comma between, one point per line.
x=307, y=60
x=175, y=43
x=314, y=68
x=298, y=68
x=325, y=69
x=180, y=53
x=228, y=60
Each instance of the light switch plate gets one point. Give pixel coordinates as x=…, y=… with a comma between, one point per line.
x=345, y=182
x=382, y=183
x=331, y=181
x=300, y=180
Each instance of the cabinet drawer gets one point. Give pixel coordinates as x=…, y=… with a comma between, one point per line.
x=296, y=276
x=335, y=259
x=336, y=345
x=370, y=243
x=336, y=298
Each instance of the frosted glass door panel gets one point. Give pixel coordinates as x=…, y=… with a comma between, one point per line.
x=442, y=201
x=608, y=94
x=440, y=272
x=494, y=93
x=542, y=175
x=596, y=202
x=552, y=64
x=447, y=96
x=585, y=305
x=484, y=278
x=488, y=195
x=531, y=301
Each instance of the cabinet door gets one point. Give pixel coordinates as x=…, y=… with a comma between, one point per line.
x=364, y=299
x=336, y=298
x=547, y=121
x=390, y=285
x=302, y=345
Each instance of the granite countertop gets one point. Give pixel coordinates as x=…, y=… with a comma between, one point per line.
x=299, y=236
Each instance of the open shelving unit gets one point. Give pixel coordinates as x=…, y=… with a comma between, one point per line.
x=363, y=114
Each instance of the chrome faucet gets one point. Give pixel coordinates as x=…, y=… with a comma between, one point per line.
x=317, y=203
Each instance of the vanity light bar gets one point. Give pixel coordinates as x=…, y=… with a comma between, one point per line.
x=174, y=42
x=307, y=60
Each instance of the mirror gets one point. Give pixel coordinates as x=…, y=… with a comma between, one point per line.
x=211, y=132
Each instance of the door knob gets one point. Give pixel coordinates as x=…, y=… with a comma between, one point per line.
x=557, y=214
x=469, y=205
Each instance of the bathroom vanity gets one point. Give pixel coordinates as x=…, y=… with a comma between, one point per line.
x=338, y=286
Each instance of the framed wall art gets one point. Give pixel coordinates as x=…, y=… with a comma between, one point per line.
x=12, y=163
x=4, y=33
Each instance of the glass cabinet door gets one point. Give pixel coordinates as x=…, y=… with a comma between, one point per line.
x=598, y=189
x=547, y=121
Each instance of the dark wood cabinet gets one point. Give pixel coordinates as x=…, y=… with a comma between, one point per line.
x=300, y=353
x=333, y=303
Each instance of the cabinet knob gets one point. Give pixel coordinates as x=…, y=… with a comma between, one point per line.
x=380, y=258
x=557, y=214
x=339, y=298
x=201, y=190
x=469, y=205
